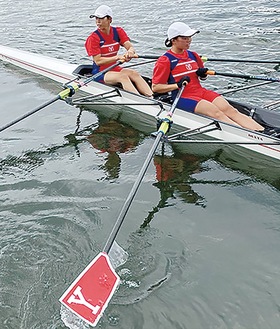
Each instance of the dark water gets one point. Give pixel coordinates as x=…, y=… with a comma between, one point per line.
x=203, y=231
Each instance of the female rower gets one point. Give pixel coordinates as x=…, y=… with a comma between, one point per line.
x=103, y=45
x=179, y=65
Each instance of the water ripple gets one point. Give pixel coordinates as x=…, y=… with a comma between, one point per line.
x=207, y=254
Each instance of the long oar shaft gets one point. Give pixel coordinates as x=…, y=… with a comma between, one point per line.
x=245, y=87
x=131, y=195
x=244, y=76
x=164, y=127
x=69, y=90
x=29, y=113
x=232, y=60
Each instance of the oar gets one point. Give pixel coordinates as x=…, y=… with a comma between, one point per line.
x=141, y=63
x=69, y=90
x=245, y=87
x=244, y=76
x=90, y=293
x=148, y=56
x=205, y=59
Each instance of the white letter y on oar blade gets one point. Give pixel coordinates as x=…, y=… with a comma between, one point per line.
x=81, y=300
x=90, y=293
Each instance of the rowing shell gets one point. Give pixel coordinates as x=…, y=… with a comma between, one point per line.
x=63, y=72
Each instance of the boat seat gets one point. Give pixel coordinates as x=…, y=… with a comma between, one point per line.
x=83, y=70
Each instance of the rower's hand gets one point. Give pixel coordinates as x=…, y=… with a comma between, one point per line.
x=129, y=55
x=185, y=80
x=202, y=72
x=121, y=58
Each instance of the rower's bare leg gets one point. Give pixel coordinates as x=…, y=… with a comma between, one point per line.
x=141, y=85
x=211, y=110
x=114, y=78
x=240, y=118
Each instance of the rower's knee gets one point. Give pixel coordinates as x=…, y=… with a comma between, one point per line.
x=207, y=108
x=124, y=78
x=130, y=74
x=218, y=114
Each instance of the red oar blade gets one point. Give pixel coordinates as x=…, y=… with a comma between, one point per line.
x=90, y=293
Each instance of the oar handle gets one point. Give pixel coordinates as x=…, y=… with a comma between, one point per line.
x=148, y=56
x=234, y=75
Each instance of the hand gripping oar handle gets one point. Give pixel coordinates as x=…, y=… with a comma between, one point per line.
x=163, y=129
x=69, y=90
x=244, y=76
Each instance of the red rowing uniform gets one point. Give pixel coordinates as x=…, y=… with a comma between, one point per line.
x=171, y=67
x=106, y=45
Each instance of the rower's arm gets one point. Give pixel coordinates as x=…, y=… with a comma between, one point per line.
x=131, y=53
x=164, y=88
x=99, y=60
x=128, y=46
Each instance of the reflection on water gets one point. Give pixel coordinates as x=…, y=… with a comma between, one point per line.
x=114, y=138
x=27, y=161
x=173, y=176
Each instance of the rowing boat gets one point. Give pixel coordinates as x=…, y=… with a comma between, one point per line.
x=188, y=124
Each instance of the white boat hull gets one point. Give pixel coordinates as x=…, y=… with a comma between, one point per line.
x=62, y=72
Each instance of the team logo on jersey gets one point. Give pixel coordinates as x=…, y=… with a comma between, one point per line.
x=111, y=49
x=188, y=66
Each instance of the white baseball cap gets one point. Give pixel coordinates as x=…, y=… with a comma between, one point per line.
x=102, y=11
x=180, y=29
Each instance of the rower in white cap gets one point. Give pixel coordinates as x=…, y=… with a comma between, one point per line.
x=104, y=44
